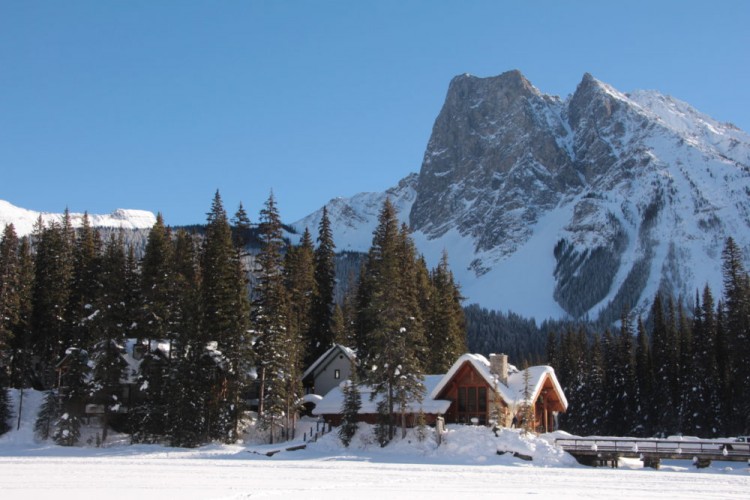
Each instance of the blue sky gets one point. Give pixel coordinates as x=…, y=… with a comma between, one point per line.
x=156, y=104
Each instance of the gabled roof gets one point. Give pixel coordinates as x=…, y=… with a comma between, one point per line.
x=334, y=400
x=329, y=354
x=512, y=392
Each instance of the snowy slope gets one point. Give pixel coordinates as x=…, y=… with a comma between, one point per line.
x=23, y=220
x=571, y=208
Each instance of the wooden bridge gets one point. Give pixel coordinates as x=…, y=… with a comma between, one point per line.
x=606, y=451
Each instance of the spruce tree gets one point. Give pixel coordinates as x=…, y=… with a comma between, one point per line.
x=156, y=283
x=85, y=286
x=5, y=410
x=191, y=383
x=596, y=385
x=241, y=229
x=106, y=386
x=20, y=345
x=322, y=308
x=48, y=414
x=350, y=409
x=10, y=299
x=389, y=329
x=621, y=379
x=664, y=358
x=527, y=410
x=10, y=311
x=271, y=320
x=73, y=391
x=225, y=316
x=148, y=419
x=446, y=331
x=705, y=410
x=737, y=331
x=53, y=275
x=300, y=283
x=644, y=382
x=684, y=365
x=110, y=330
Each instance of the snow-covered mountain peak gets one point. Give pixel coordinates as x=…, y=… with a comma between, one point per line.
x=23, y=220
x=570, y=208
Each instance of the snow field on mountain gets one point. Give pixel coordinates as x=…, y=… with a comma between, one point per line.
x=466, y=464
x=24, y=220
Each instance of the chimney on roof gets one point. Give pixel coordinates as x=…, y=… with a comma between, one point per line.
x=499, y=367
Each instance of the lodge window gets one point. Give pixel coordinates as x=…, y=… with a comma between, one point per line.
x=472, y=403
x=337, y=374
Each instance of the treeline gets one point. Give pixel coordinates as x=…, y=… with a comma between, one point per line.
x=217, y=331
x=688, y=373
x=490, y=332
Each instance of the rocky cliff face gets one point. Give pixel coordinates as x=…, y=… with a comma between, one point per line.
x=574, y=207
x=495, y=159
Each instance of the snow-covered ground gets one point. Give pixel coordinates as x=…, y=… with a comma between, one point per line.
x=465, y=464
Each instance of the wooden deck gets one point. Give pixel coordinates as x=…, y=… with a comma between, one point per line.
x=606, y=451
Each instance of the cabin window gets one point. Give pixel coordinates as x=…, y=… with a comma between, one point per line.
x=337, y=374
x=472, y=403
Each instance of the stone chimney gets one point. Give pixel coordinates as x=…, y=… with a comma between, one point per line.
x=499, y=367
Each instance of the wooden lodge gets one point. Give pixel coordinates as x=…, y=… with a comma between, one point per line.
x=474, y=391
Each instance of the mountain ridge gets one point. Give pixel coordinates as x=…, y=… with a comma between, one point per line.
x=575, y=207
x=23, y=220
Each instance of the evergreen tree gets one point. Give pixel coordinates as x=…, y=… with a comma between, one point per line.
x=350, y=409
x=621, y=380
x=115, y=313
x=53, y=275
x=300, y=283
x=48, y=414
x=20, y=343
x=575, y=367
x=5, y=410
x=10, y=300
x=737, y=331
x=241, y=229
x=73, y=391
x=644, y=382
x=687, y=396
x=225, y=316
x=108, y=372
x=156, y=283
x=527, y=410
x=446, y=331
x=271, y=320
x=389, y=330
x=191, y=383
x=664, y=358
x=10, y=311
x=85, y=286
x=705, y=410
x=190, y=400
x=321, y=318
x=148, y=419
x=596, y=385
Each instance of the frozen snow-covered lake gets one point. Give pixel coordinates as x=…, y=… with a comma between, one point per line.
x=160, y=476
x=465, y=465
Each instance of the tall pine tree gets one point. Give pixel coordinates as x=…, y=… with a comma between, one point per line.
x=225, y=316
x=322, y=309
x=271, y=320
x=389, y=329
